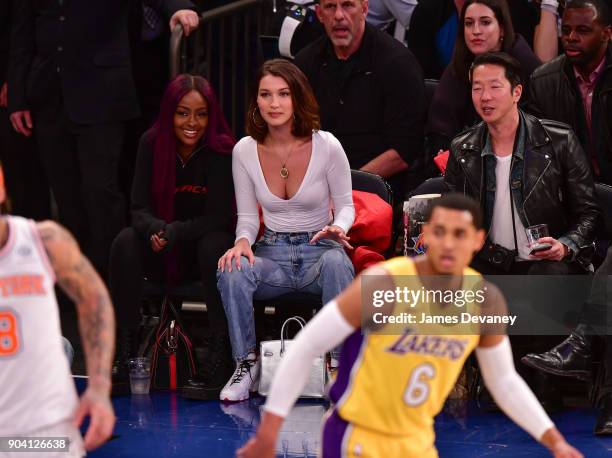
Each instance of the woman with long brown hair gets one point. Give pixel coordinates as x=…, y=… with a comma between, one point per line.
x=295, y=173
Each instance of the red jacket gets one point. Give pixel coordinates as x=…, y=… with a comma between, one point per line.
x=370, y=234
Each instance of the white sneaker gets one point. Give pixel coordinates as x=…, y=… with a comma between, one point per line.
x=244, y=379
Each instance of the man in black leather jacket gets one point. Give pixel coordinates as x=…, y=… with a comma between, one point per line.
x=539, y=163
x=576, y=87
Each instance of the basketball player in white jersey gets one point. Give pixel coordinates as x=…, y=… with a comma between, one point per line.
x=37, y=394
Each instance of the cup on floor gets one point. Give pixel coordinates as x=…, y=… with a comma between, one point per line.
x=140, y=375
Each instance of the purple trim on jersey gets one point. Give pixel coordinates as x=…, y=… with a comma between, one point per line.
x=348, y=356
x=334, y=430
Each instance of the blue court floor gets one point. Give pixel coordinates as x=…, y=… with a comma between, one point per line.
x=163, y=424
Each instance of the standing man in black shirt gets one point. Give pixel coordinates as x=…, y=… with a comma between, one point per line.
x=26, y=183
x=70, y=83
x=370, y=90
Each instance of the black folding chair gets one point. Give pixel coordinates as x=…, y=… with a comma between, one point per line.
x=370, y=182
x=430, y=186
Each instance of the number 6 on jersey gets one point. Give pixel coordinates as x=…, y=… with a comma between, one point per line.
x=417, y=390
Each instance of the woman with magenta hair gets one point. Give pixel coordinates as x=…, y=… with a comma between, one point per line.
x=183, y=214
x=296, y=173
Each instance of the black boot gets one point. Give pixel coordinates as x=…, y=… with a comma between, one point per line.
x=125, y=349
x=571, y=358
x=603, y=426
x=217, y=371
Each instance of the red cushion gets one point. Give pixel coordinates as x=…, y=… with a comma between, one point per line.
x=371, y=232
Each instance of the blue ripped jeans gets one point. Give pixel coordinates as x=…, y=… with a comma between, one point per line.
x=284, y=262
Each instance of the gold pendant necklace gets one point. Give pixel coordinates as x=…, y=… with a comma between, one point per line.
x=284, y=172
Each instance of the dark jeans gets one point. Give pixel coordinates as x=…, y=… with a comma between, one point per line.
x=132, y=259
x=25, y=180
x=81, y=162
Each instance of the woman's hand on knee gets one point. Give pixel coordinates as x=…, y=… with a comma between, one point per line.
x=241, y=248
x=334, y=233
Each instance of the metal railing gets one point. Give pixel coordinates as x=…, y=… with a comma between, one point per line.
x=223, y=49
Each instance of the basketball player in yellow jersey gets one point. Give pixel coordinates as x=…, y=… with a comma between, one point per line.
x=389, y=387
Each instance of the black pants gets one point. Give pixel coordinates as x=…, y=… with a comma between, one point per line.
x=132, y=259
x=544, y=267
x=81, y=162
x=25, y=179
x=150, y=79
x=597, y=315
x=522, y=345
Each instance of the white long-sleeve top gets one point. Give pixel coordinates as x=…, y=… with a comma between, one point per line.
x=326, y=185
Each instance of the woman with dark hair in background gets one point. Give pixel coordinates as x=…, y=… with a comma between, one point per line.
x=294, y=172
x=484, y=26
x=183, y=213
